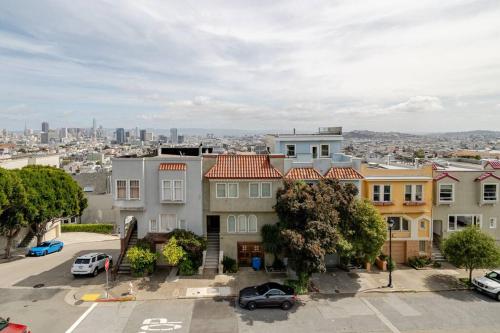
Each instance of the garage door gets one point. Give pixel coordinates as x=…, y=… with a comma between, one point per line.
x=247, y=250
x=398, y=252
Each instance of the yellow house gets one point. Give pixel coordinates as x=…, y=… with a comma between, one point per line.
x=403, y=195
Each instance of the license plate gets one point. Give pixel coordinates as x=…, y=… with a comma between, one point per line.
x=80, y=267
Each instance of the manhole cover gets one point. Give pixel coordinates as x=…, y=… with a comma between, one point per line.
x=40, y=285
x=353, y=275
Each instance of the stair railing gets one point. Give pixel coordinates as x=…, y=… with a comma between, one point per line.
x=123, y=247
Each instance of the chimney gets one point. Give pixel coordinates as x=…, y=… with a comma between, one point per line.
x=294, y=131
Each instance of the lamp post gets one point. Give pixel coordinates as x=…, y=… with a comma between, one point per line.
x=391, y=224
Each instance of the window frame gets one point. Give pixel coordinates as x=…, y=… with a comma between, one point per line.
x=256, y=224
x=483, y=192
x=161, y=222
x=413, y=193
x=250, y=190
x=401, y=218
x=474, y=217
x=317, y=151
x=321, y=150
x=217, y=190
x=494, y=220
x=138, y=189
x=452, y=193
x=155, y=221
x=270, y=190
x=174, y=196
x=116, y=189
x=163, y=182
x=235, y=224
x=294, y=149
x=246, y=224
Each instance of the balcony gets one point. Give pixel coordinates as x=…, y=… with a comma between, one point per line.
x=382, y=203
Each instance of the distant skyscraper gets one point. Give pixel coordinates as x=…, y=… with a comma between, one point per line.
x=173, y=136
x=137, y=132
x=45, y=127
x=63, y=133
x=180, y=138
x=120, y=135
x=94, y=128
x=44, y=137
x=143, y=135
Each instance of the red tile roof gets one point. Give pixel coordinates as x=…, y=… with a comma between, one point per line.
x=343, y=173
x=444, y=175
x=486, y=175
x=303, y=174
x=243, y=167
x=172, y=167
x=495, y=164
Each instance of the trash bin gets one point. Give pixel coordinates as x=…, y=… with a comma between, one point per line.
x=256, y=263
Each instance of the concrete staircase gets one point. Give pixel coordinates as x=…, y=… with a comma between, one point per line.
x=124, y=267
x=211, y=263
x=436, y=253
x=27, y=239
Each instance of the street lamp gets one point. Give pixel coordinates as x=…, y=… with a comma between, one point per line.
x=391, y=224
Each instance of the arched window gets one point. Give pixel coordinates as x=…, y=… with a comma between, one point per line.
x=231, y=223
x=252, y=223
x=242, y=223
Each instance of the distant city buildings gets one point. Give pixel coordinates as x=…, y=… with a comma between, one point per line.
x=120, y=136
x=45, y=127
x=174, y=139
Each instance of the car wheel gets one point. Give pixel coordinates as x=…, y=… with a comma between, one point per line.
x=59, y=249
x=45, y=253
x=498, y=297
x=286, y=305
x=111, y=263
x=251, y=306
x=95, y=272
x=75, y=275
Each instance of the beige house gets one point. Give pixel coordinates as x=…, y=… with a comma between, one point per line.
x=239, y=193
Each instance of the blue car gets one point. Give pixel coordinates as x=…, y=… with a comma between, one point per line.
x=46, y=248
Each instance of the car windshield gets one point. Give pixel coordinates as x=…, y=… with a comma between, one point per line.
x=493, y=276
x=82, y=261
x=262, y=289
x=45, y=244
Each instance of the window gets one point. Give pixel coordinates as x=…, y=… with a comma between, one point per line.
x=168, y=222
x=489, y=192
x=182, y=224
x=178, y=190
x=121, y=189
x=314, y=151
x=253, y=190
x=493, y=222
x=134, y=190
x=266, y=190
x=153, y=226
x=232, y=190
x=231, y=223
x=167, y=190
x=460, y=222
x=414, y=193
x=252, y=223
x=408, y=194
x=242, y=223
x=419, y=192
x=421, y=246
x=325, y=150
x=400, y=223
x=290, y=150
x=446, y=192
x=387, y=193
x=422, y=225
x=221, y=190
x=376, y=192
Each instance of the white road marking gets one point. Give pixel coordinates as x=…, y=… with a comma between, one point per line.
x=380, y=316
x=82, y=317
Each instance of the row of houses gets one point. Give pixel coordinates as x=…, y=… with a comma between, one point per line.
x=228, y=198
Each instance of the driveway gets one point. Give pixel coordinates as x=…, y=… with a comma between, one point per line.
x=53, y=270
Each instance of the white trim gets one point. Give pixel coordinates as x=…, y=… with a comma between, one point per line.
x=237, y=190
x=250, y=192
x=482, y=193
x=160, y=225
x=217, y=192
x=492, y=219
x=311, y=151
x=294, y=149
x=256, y=224
x=321, y=150
x=128, y=187
x=235, y=224
x=270, y=190
x=238, y=224
x=452, y=193
x=413, y=193
x=396, y=178
x=466, y=215
x=116, y=189
x=156, y=222
x=381, y=193
x=410, y=222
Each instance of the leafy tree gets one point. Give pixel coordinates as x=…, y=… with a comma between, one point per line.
x=12, y=207
x=309, y=223
x=271, y=239
x=52, y=194
x=173, y=252
x=471, y=248
x=141, y=259
x=419, y=153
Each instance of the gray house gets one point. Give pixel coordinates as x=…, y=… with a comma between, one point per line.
x=466, y=195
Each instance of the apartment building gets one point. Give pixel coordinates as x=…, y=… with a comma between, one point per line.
x=403, y=195
x=466, y=194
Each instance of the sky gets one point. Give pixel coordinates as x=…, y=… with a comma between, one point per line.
x=385, y=65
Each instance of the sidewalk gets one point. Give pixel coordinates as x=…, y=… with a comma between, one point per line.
x=85, y=237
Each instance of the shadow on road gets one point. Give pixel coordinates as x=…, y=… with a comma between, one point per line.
x=442, y=283
x=60, y=275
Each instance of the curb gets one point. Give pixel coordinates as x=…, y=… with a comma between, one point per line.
x=115, y=299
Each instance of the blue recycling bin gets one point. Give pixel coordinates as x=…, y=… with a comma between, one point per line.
x=256, y=263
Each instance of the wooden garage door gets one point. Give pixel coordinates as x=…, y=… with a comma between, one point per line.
x=398, y=252
x=248, y=250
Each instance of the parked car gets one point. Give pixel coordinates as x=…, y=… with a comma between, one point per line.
x=7, y=327
x=90, y=263
x=45, y=248
x=489, y=284
x=269, y=294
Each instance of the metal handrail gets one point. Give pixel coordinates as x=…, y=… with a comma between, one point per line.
x=130, y=230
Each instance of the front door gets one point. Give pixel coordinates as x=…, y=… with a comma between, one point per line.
x=213, y=224
x=314, y=151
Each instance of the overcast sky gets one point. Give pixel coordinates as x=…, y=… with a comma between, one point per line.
x=414, y=66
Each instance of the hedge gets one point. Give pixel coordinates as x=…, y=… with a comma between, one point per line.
x=97, y=228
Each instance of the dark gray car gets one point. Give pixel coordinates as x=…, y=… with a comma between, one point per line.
x=269, y=294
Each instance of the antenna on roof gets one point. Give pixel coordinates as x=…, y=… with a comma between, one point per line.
x=294, y=131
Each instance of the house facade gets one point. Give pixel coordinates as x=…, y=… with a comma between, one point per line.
x=466, y=196
x=239, y=195
x=403, y=196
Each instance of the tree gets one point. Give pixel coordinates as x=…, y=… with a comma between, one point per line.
x=419, y=153
x=471, y=248
x=52, y=194
x=309, y=226
x=12, y=207
x=271, y=239
x=173, y=252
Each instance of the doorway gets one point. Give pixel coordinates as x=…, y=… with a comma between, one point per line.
x=314, y=151
x=213, y=224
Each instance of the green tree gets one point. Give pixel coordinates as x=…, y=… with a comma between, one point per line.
x=52, y=194
x=12, y=207
x=173, y=252
x=271, y=239
x=141, y=259
x=471, y=248
x=419, y=153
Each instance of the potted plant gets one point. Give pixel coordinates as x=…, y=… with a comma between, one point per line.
x=381, y=262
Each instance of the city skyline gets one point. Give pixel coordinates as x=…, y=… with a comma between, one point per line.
x=389, y=65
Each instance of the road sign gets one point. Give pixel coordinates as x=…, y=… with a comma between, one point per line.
x=106, y=264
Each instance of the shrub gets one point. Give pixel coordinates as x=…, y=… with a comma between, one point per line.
x=383, y=257
x=229, y=264
x=97, y=228
x=192, y=244
x=391, y=265
x=436, y=264
x=141, y=260
x=300, y=288
x=186, y=267
x=173, y=252
x=419, y=262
